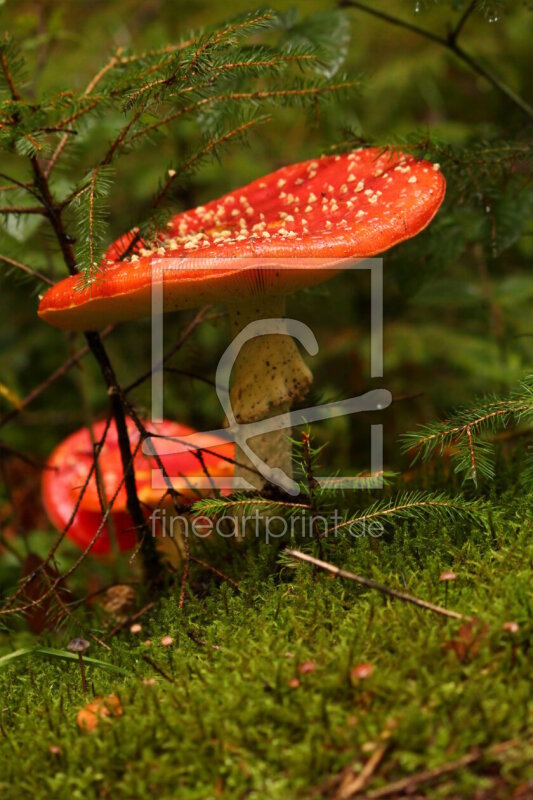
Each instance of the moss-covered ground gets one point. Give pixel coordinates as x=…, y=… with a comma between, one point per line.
x=257, y=698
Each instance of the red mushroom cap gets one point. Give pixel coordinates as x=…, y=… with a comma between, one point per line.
x=71, y=461
x=330, y=210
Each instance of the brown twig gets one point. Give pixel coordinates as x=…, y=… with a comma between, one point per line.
x=51, y=553
x=178, y=344
x=58, y=373
x=311, y=488
x=186, y=570
x=130, y=620
x=449, y=43
x=8, y=450
x=76, y=622
x=371, y=584
x=60, y=578
x=352, y=785
x=469, y=9
x=406, y=786
x=157, y=668
x=28, y=270
x=23, y=210
x=149, y=552
x=215, y=571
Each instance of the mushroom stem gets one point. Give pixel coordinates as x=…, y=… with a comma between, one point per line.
x=269, y=376
x=82, y=670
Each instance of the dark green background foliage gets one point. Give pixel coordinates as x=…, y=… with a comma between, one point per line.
x=457, y=297
x=458, y=342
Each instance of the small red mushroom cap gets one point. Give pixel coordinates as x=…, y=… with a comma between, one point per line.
x=312, y=216
x=447, y=576
x=70, y=464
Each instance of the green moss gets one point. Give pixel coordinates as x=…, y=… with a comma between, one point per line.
x=227, y=723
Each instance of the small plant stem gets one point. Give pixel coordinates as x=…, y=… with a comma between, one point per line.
x=82, y=670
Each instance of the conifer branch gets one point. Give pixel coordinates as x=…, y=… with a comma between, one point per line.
x=54, y=212
x=214, y=507
x=212, y=144
x=449, y=43
x=412, y=506
x=274, y=94
x=461, y=434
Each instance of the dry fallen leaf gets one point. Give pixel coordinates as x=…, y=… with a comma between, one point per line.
x=24, y=510
x=44, y=614
x=90, y=715
x=469, y=639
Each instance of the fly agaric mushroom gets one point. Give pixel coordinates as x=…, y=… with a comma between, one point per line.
x=70, y=464
x=300, y=221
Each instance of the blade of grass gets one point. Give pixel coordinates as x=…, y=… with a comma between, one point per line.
x=60, y=654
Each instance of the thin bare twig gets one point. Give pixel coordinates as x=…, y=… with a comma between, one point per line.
x=352, y=785
x=215, y=571
x=23, y=210
x=150, y=555
x=130, y=620
x=58, y=373
x=454, y=34
x=68, y=613
x=406, y=786
x=209, y=147
x=178, y=344
x=8, y=450
x=157, y=668
x=371, y=584
x=27, y=270
x=449, y=43
x=60, y=578
x=51, y=553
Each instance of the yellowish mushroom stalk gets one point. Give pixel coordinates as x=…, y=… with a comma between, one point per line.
x=270, y=375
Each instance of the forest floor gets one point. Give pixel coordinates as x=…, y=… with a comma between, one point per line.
x=298, y=684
